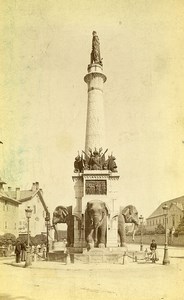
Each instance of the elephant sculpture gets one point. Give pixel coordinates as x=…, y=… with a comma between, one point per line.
x=96, y=224
x=128, y=214
x=63, y=214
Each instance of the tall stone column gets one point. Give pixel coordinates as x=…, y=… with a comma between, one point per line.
x=95, y=125
x=95, y=176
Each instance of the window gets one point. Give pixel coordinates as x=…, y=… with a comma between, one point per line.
x=34, y=209
x=5, y=225
x=15, y=227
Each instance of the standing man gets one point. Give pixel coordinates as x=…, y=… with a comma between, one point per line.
x=153, y=248
x=23, y=251
x=18, y=251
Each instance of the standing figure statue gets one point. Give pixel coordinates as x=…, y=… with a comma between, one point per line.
x=95, y=163
x=95, y=54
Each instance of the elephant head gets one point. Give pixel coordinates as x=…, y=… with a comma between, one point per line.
x=63, y=214
x=128, y=214
x=96, y=222
x=60, y=215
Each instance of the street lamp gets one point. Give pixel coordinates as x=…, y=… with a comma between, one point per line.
x=28, y=212
x=47, y=224
x=141, y=223
x=166, y=256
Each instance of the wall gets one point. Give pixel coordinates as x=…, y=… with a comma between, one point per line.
x=159, y=238
x=8, y=217
x=37, y=220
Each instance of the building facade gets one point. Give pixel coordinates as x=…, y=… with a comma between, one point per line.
x=9, y=212
x=175, y=214
x=14, y=220
x=34, y=199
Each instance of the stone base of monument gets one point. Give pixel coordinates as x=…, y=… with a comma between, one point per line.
x=101, y=255
x=58, y=246
x=59, y=256
x=58, y=253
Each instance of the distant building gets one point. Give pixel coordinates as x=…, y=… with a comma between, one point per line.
x=175, y=214
x=34, y=199
x=9, y=212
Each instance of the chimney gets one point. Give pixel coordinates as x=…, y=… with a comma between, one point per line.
x=18, y=193
x=34, y=187
x=37, y=185
x=41, y=191
x=1, y=184
x=9, y=191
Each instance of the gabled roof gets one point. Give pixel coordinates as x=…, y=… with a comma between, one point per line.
x=23, y=194
x=179, y=202
x=20, y=196
x=29, y=194
x=42, y=201
x=5, y=196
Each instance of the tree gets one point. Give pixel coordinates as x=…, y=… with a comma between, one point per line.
x=160, y=229
x=7, y=239
x=180, y=228
x=2, y=241
x=39, y=239
x=23, y=239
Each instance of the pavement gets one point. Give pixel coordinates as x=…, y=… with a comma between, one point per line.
x=133, y=280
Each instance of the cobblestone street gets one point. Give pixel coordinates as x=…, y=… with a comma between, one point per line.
x=52, y=280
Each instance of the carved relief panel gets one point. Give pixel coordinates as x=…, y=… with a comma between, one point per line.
x=96, y=187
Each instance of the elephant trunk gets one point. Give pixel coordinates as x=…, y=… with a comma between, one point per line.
x=96, y=221
x=56, y=231
x=135, y=226
x=95, y=226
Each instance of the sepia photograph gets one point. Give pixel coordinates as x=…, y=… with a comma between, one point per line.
x=91, y=149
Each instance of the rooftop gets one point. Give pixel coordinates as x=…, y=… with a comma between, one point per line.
x=179, y=202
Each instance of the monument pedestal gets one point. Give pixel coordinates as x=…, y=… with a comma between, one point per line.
x=95, y=185
x=101, y=255
x=58, y=253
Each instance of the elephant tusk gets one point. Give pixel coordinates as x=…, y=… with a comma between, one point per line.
x=133, y=235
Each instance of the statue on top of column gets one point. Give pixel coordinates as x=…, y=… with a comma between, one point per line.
x=95, y=54
x=94, y=160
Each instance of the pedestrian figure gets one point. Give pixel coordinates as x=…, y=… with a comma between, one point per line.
x=39, y=248
x=23, y=252
x=153, y=248
x=35, y=251
x=44, y=252
x=4, y=250
x=18, y=251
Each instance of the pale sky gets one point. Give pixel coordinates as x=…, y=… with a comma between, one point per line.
x=44, y=52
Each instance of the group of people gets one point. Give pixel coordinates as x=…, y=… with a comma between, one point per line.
x=20, y=251
x=21, y=248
